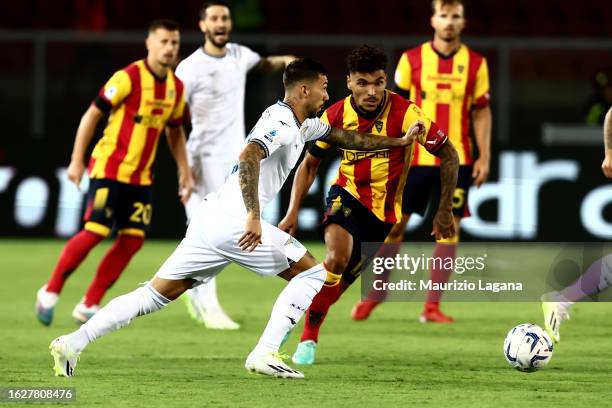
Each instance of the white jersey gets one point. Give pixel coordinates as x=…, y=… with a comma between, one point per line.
x=278, y=132
x=214, y=90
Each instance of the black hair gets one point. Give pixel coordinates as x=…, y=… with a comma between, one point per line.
x=211, y=3
x=302, y=69
x=169, y=25
x=367, y=59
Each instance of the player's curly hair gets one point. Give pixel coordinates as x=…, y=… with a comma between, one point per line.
x=366, y=58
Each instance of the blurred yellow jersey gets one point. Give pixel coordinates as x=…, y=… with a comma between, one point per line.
x=445, y=88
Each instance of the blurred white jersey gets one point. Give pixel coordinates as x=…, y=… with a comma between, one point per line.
x=278, y=133
x=214, y=90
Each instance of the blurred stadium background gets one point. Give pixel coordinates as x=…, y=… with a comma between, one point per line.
x=550, y=65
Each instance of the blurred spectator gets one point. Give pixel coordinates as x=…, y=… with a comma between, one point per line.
x=602, y=100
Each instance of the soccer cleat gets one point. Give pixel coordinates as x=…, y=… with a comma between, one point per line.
x=305, y=353
x=554, y=314
x=81, y=313
x=45, y=304
x=434, y=315
x=363, y=309
x=213, y=319
x=219, y=320
x=64, y=358
x=271, y=364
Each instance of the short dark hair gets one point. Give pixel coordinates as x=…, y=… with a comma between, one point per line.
x=366, y=58
x=168, y=24
x=443, y=3
x=302, y=69
x=211, y=3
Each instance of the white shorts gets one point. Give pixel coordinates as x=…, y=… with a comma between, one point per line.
x=211, y=243
x=209, y=177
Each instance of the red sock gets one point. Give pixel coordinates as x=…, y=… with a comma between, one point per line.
x=74, y=252
x=109, y=270
x=315, y=315
x=440, y=274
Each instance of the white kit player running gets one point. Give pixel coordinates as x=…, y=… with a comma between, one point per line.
x=215, y=77
x=227, y=228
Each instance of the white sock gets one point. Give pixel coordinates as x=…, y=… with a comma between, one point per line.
x=47, y=299
x=207, y=295
x=290, y=306
x=118, y=313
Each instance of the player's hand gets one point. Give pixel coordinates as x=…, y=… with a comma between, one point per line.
x=75, y=172
x=480, y=172
x=417, y=129
x=606, y=166
x=289, y=223
x=443, y=224
x=185, y=186
x=252, y=234
x=312, y=129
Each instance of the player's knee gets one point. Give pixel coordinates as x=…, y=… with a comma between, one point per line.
x=337, y=261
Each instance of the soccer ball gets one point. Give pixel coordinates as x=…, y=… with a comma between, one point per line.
x=527, y=347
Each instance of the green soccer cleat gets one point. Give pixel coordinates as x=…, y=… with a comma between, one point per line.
x=64, y=358
x=554, y=314
x=305, y=353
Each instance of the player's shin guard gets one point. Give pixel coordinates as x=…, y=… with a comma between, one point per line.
x=111, y=266
x=118, y=313
x=439, y=273
x=74, y=252
x=290, y=306
x=316, y=313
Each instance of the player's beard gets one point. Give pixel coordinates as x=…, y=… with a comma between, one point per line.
x=210, y=36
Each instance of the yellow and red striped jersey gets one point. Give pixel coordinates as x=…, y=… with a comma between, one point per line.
x=140, y=105
x=377, y=178
x=446, y=89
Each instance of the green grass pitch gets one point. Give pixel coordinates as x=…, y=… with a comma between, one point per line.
x=391, y=360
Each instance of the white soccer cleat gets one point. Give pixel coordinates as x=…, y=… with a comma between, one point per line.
x=81, y=313
x=271, y=364
x=554, y=314
x=215, y=319
x=64, y=358
x=219, y=320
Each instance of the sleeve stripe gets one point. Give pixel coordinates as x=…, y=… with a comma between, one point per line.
x=262, y=144
x=327, y=132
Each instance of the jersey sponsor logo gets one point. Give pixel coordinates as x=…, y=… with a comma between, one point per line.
x=158, y=104
x=150, y=121
x=351, y=155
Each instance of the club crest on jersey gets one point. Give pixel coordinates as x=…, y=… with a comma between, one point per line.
x=379, y=125
x=171, y=93
x=460, y=68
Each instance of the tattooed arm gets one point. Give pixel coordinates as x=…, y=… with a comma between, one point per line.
x=248, y=174
x=443, y=224
x=364, y=141
x=314, y=129
x=606, y=166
